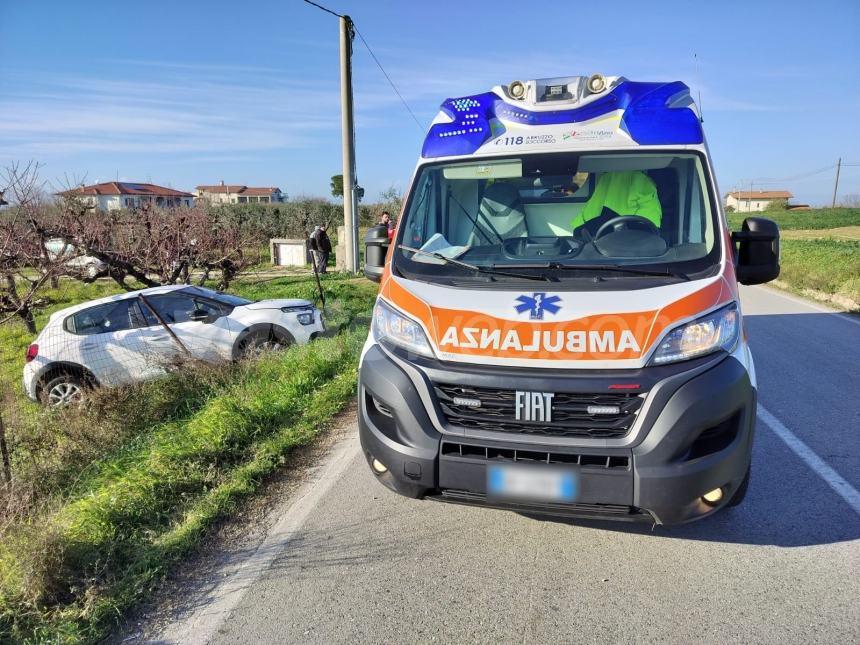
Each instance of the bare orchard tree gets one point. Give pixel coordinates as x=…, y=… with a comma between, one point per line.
x=26, y=265
x=224, y=245
x=156, y=246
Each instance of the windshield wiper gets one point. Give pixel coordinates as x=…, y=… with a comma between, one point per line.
x=473, y=267
x=619, y=268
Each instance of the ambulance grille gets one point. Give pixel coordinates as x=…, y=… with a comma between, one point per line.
x=570, y=415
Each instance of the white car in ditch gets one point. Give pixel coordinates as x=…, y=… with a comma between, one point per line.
x=134, y=336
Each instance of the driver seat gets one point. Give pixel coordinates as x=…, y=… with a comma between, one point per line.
x=630, y=192
x=501, y=212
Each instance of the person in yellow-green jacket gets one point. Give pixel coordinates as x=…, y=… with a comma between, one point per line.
x=623, y=193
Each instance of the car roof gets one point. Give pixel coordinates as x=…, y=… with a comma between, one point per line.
x=150, y=291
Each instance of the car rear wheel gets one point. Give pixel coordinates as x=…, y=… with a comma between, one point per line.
x=64, y=389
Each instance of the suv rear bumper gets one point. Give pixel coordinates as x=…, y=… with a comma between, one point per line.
x=699, y=439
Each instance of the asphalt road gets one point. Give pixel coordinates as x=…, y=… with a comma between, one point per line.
x=351, y=562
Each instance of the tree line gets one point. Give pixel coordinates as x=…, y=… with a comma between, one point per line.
x=41, y=235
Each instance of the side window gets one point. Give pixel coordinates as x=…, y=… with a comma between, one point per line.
x=141, y=316
x=103, y=319
x=173, y=308
x=178, y=307
x=421, y=227
x=211, y=308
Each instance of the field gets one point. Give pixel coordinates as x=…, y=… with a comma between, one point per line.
x=106, y=496
x=820, y=218
x=820, y=253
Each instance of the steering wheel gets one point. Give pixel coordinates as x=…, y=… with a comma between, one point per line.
x=625, y=221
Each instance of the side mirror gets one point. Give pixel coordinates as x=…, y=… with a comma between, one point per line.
x=757, y=259
x=376, y=245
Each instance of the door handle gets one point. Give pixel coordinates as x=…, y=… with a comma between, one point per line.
x=155, y=338
x=88, y=346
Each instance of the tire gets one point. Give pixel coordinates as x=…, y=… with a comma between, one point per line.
x=64, y=389
x=258, y=343
x=741, y=492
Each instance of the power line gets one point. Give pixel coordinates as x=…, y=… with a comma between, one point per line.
x=375, y=60
x=797, y=177
x=319, y=6
x=390, y=82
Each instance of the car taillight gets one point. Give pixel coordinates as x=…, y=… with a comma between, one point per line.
x=32, y=352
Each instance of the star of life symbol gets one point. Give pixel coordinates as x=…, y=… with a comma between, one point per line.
x=536, y=304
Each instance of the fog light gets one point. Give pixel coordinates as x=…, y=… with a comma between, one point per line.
x=378, y=467
x=713, y=497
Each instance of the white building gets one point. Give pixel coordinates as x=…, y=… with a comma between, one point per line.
x=113, y=195
x=235, y=194
x=752, y=201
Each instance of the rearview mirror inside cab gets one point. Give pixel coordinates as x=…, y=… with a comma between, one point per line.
x=757, y=259
x=375, y=249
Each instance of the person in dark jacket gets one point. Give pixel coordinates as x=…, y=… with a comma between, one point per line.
x=388, y=223
x=321, y=244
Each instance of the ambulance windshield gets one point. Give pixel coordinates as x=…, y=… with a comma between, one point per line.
x=550, y=213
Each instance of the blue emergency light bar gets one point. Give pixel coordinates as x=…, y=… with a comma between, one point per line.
x=653, y=114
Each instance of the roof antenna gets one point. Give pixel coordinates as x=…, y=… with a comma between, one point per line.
x=698, y=87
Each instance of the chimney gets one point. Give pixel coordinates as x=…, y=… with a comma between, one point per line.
x=222, y=182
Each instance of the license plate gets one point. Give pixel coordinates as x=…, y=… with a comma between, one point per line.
x=532, y=483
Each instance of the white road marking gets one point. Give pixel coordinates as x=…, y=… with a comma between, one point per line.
x=808, y=303
x=212, y=611
x=833, y=479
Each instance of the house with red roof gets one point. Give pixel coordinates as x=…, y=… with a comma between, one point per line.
x=752, y=201
x=113, y=195
x=237, y=194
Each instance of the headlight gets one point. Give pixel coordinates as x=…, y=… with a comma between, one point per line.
x=718, y=330
x=304, y=313
x=399, y=330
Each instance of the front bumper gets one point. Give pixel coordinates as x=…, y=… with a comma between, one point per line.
x=306, y=333
x=693, y=435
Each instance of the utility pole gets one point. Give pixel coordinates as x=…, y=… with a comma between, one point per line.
x=350, y=210
x=836, y=183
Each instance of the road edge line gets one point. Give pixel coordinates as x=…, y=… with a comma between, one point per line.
x=833, y=479
x=202, y=625
x=809, y=303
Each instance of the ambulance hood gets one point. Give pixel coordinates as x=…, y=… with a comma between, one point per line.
x=555, y=329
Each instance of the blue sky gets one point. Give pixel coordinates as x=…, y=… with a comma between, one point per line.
x=186, y=93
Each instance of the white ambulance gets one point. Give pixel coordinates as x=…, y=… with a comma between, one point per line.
x=558, y=329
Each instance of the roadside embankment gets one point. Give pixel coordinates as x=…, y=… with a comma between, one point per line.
x=132, y=481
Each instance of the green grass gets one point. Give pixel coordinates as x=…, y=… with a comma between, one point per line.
x=115, y=492
x=70, y=573
x=825, y=265
x=819, y=256
x=812, y=219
